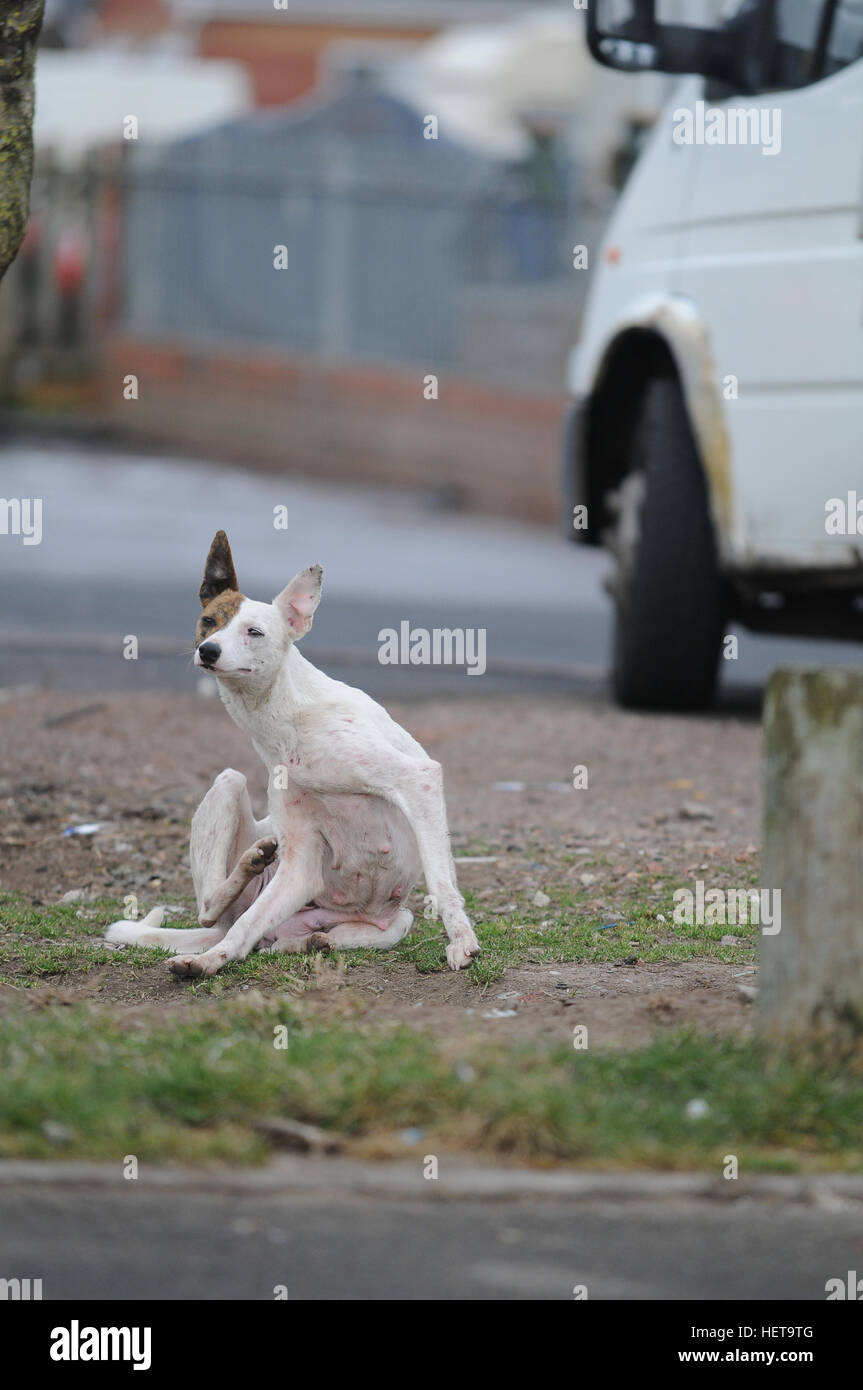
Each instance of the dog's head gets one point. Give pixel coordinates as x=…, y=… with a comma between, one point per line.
x=239, y=639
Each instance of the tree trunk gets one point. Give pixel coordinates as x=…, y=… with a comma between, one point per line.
x=20, y=22
x=812, y=970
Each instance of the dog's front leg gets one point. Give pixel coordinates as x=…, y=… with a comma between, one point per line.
x=419, y=794
x=297, y=881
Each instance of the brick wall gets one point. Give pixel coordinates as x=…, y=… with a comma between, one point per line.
x=283, y=59
x=497, y=449
x=143, y=18
x=282, y=54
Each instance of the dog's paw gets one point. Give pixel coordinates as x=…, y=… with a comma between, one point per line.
x=462, y=953
x=197, y=967
x=318, y=941
x=262, y=853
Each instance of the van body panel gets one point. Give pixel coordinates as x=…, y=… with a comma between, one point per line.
x=749, y=263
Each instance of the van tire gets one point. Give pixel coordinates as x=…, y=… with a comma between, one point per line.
x=669, y=594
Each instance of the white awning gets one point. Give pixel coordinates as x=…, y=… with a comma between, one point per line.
x=84, y=97
x=482, y=80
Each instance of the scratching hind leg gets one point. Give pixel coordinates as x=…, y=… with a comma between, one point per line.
x=251, y=862
x=223, y=829
x=226, y=855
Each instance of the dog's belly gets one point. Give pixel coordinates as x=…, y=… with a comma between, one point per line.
x=370, y=865
x=371, y=861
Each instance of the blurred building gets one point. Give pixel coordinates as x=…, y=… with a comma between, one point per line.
x=285, y=48
x=93, y=105
x=323, y=286
x=424, y=183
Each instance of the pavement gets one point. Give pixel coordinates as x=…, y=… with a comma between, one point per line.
x=337, y=1230
x=125, y=537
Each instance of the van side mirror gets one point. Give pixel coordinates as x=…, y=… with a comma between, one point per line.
x=625, y=34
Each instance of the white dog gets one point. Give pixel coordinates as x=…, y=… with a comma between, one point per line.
x=356, y=807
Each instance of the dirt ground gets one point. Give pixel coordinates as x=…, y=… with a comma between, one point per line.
x=666, y=796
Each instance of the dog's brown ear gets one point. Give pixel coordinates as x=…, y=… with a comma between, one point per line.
x=219, y=572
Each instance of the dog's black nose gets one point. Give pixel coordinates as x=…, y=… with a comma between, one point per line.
x=209, y=652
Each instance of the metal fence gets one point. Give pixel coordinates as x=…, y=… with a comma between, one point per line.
x=380, y=274
x=399, y=250
x=396, y=248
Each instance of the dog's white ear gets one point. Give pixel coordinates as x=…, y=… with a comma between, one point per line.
x=299, y=599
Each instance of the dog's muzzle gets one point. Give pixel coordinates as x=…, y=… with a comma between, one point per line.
x=209, y=652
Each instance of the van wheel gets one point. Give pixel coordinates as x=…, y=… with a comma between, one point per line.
x=668, y=591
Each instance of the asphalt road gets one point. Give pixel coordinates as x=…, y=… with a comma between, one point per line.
x=124, y=540
x=136, y=1244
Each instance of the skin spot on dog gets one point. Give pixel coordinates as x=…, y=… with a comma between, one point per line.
x=218, y=613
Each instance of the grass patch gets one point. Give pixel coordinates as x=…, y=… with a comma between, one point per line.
x=190, y=1089
x=52, y=940
x=635, y=931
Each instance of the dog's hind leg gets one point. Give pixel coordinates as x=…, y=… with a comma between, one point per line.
x=250, y=864
x=228, y=848
x=296, y=881
x=226, y=855
x=350, y=936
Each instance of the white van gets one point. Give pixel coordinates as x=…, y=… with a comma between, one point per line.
x=716, y=441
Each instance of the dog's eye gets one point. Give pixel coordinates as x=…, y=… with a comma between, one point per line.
x=207, y=622
x=255, y=632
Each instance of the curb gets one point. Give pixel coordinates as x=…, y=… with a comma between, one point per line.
x=457, y=1181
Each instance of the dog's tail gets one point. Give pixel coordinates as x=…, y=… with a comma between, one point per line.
x=142, y=933
x=150, y=932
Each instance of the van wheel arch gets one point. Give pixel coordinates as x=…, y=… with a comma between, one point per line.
x=635, y=359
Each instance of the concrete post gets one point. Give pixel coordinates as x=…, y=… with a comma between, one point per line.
x=811, y=973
